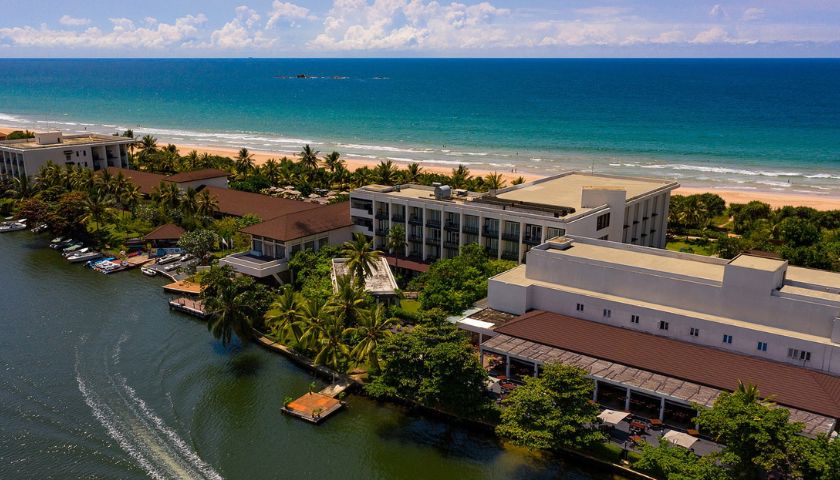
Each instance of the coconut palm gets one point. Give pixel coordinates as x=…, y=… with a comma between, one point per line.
x=22, y=187
x=361, y=257
x=348, y=300
x=329, y=346
x=412, y=173
x=131, y=197
x=333, y=162
x=206, y=204
x=167, y=194
x=363, y=176
x=308, y=158
x=460, y=176
x=311, y=314
x=271, y=171
x=148, y=145
x=494, y=181
x=284, y=316
x=96, y=208
x=395, y=241
x=373, y=328
x=229, y=313
x=244, y=162
x=518, y=180
x=385, y=173
x=189, y=202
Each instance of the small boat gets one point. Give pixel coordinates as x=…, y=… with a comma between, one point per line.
x=40, y=228
x=12, y=227
x=72, y=248
x=172, y=257
x=57, y=240
x=149, y=272
x=67, y=253
x=62, y=244
x=81, y=257
x=170, y=268
x=94, y=263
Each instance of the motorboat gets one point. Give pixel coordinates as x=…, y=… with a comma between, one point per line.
x=149, y=272
x=12, y=227
x=57, y=240
x=172, y=257
x=83, y=256
x=170, y=268
x=72, y=248
x=67, y=253
x=63, y=244
x=40, y=228
x=94, y=263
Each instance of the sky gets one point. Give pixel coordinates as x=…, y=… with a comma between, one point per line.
x=420, y=28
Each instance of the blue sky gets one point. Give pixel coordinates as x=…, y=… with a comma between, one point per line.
x=422, y=28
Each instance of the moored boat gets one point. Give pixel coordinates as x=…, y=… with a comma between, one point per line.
x=81, y=257
x=149, y=272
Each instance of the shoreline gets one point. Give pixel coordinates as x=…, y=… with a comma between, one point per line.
x=775, y=199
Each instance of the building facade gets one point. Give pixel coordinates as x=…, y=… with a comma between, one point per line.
x=27, y=156
x=751, y=305
x=509, y=222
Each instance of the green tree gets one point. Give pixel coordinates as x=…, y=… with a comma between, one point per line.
x=798, y=232
x=96, y=208
x=495, y=181
x=283, y=318
x=551, y=412
x=671, y=462
x=348, y=300
x=308, y=158
x=236, y=305
x=361, y=257
x=199, y=242
x=374, y=327
x=334, y=162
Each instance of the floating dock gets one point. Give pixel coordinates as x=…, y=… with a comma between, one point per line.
x=183, y=286
x=313, y=407
x=189, y=306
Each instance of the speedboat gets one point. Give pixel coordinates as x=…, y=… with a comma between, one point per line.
x=149, y=272
x=172, y=257
x=62, y=244
x=57, y=240
x=12, y=227
x=72, y=248
x=69, y=252
x=81, y=257
x=94, y=263
x=40, y=228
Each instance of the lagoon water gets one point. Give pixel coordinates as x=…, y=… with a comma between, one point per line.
x=98, y=379
x=749, y=124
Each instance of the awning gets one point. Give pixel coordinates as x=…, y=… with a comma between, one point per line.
x=612, y=417
x=477, y=326
x=678, y=438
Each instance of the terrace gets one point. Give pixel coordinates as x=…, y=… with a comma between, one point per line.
x=254, y=265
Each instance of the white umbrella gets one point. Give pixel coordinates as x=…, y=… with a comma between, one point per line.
x=612, y=417
x=678, y=438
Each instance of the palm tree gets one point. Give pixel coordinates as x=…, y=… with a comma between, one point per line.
x=333, y=162
x=495, y=181
x=330, y=348
x=167, y=194
x=308, y=158
x=189, y=202
x=271, y=171
x=412, y=173
x=244, y=162
x=131, y=197
x=148, y=145
x=374, y=327
x=96, y=208
x=22, y=187
x=518, y=180
x=361, y=257
x=348, y=299
x=206, y=204
x=229, y=313
x=385, y=172
x=460, y=176
x=749, y=392
x=395, y=240
x=363, y=176
x=311, y=313
x=284, y=316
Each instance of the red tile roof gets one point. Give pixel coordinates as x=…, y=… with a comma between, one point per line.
x=145, y=180
x=320, y=219
x=407, y=264
x=789, y=385
x=170, y=231
x=195, y=175
x=239, y=203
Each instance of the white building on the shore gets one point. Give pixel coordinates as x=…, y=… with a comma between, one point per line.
x=752, y=305
x=510, y=221
x=26, y=156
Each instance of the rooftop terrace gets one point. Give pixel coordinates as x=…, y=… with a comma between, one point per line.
x=66, y=140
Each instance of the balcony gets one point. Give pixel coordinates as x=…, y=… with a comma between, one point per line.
x=511, y=236
x=381, y=215
x=471, y=229
x=255, y=266
x=381, y=232
x=510, y=256
x=452, y=226
x=431, y=223
x=489, y=232
x=415, y=220
x=415, y=238
x=531, y=240
x=451, y=245
x=398, y=218
x=433, y=241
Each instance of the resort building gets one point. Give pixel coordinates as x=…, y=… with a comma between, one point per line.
x=508, y=222
x=148, y=181
x=380, y=284
x=26, y=156
x=750, y=305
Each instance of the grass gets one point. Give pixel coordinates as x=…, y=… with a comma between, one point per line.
x=410, y=306
x=692, y=246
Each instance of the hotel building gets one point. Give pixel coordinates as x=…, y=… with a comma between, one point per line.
x=673, y=329
x=27, y=156
x=510, y=221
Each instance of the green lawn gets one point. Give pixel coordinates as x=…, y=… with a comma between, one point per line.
x=691, y=246
x=410, y=306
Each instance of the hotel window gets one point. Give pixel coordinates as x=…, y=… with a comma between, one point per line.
x=309, y=245
x=295, y=248
x=603, y=221
x=323, y=242
x=579, y=307
x=727, y=339
x=634, y=319
x=663, y=325
x=762, y=346
x=694, y=332
x=552, y=232
x=799, y=354
x=607, y=313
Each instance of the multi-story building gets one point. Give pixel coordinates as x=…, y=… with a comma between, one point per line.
x=751, y=305
x=508, y=222
x=26, y=156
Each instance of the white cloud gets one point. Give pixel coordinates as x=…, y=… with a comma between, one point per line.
x=69, y=21
x=240, y=33
x=602, y=11
x=753, y=13
x=124, y=34
x=287, y=11
x=718, y=12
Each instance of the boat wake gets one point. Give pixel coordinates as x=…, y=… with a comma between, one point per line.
x=141, y=433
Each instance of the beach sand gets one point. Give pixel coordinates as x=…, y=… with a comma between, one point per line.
x=775, y=199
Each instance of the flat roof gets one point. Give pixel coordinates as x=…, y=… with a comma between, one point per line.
x=758, y=263
x=380, y=282
x=66, y=140
x=789, y=385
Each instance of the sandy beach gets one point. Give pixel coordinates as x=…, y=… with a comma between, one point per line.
x=775, y=199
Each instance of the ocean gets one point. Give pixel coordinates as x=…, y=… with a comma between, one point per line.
x=770, y=125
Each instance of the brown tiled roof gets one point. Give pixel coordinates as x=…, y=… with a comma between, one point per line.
x=239, y=203
x=407, y=264
x=319, y=219
x=789, y=385
x=170, y=231
x=202, y=174
x=145, y=180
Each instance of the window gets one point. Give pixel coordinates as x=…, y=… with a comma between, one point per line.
x=607, y=313
x=663, y=325
x=323, y=242
x=762, y=346
x=694, y=332
x=603, y=221
x=579, y=307
x=634, y=319
x=77, y=153
x=295, y=248
x=727, y=338
x=605, y=237
x=309, y=245
x=552, y=232
x=797, y=354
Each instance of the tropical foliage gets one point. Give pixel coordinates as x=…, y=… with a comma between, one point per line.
x=235, y=304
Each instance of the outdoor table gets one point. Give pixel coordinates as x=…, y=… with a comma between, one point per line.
x=692, y=432
x=655, y=423
x=636, y=439
x=638, y=425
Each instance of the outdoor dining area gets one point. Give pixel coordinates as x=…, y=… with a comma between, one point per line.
x=629, y=432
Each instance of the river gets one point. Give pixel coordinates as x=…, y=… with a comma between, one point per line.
x=98, y=379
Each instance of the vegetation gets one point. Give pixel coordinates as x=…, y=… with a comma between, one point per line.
x=454, y=284
x=552, y=412
x=235, y=304
x=20, y=135
x=361, y=257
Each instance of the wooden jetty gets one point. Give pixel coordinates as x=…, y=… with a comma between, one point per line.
x=189, y=306
x=313, y=407
x=183, y=286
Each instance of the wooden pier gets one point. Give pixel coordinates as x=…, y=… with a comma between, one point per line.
x=313, y=407
x=189, y=306
x=183, y=286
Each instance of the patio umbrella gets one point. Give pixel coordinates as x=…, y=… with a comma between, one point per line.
x=612, y=417
x=678, y=438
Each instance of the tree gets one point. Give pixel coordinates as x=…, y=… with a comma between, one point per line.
x=22, y=187
x=244, y=162
x=206, y=204
x=385, y=173
x=518, y=180
x=35, y=210
x=460, y=176
x=433, y=365
x=745, y=214
x=96, y=208
x=19, y=135
x=551, y=412
x=412, y=173
x=672, y=462
x=284, y=316
x=334, y=162
x=236, y=305
x=308, y=158
x=495, y=181
x=756, y=434
x=199, y=242
x=797, y=232
x=374, y=327
x=361, y=257
x=348, y=300
x=396, y=240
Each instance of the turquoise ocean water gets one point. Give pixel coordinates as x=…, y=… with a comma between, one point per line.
x=745, y=124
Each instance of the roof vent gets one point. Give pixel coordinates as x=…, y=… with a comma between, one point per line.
x=443, y=192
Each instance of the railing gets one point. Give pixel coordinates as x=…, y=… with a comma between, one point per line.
x=452, y=226
x=433, y=241
x=415, y=220
x=531, y=240
x=380, y=215
x=451, y=245
x=470, y=229
x=433, y=223
x=489, y=232
x=398, y=218
x=510, y=236
x=415, y=238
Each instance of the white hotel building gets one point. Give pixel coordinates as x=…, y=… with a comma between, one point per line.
x=26, y=156
x=510, y=221
x=755, y=306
